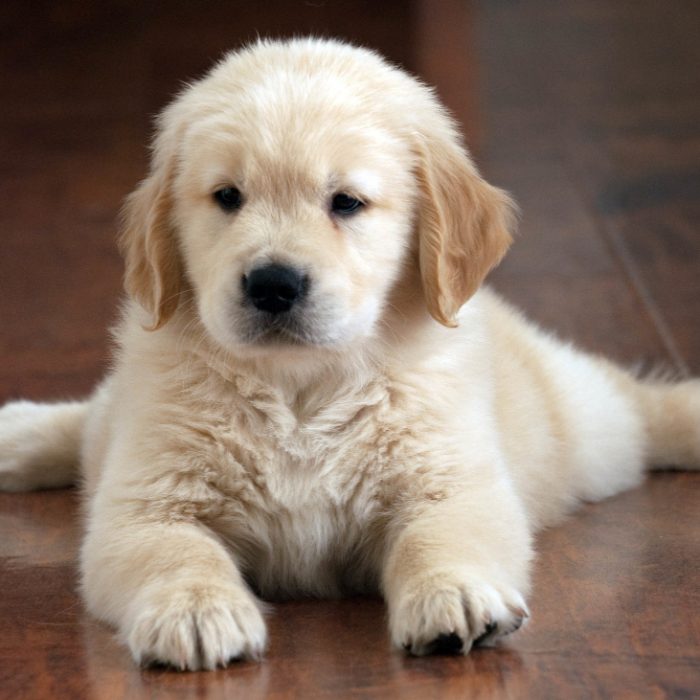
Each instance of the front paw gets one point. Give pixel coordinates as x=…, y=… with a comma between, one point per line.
x=195, y=626
x=449, y=611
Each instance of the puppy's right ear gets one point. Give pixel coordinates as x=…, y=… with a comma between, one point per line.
x=153, y=273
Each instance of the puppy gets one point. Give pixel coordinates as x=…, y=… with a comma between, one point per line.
x=311, y=393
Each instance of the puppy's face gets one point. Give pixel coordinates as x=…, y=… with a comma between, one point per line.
x=294, y=213
x=294, y=187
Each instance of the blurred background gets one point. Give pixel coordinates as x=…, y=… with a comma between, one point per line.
x=588, y=112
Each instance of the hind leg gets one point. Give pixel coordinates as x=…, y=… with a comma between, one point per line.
x=40, y=444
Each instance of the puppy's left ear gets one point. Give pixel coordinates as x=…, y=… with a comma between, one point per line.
x=464, y=225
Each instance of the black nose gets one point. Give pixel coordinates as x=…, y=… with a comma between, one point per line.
x=275, y=288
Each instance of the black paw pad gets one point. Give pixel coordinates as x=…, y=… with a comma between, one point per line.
x=486, y=634
x=447, y=644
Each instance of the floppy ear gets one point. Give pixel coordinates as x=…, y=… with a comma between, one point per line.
x=464, y=226
x=153, y=273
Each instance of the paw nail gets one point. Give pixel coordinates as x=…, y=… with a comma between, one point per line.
x=519, y=612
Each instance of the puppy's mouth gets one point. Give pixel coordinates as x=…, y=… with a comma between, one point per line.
x=288, y=329
x=279, y=332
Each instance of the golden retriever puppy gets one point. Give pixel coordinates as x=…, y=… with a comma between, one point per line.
x=311, y=394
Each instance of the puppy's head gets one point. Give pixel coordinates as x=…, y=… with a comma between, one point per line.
x=294, y=186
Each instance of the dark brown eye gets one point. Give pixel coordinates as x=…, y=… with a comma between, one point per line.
x=228, y=198
x=345, y=204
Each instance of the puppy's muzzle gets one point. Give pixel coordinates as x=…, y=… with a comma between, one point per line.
x=275, y=288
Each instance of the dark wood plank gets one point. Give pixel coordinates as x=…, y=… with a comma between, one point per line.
x=588, y=112
x=604, y=103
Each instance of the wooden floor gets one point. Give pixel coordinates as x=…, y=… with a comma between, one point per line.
x=588, y=112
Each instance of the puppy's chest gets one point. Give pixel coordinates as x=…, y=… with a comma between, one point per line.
x=272, y=456
x=295, y=492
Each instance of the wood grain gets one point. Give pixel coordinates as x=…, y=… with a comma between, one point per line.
x=587, y=112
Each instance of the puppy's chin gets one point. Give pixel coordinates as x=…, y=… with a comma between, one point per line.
x=285, y=356
x=247, y=333
x=273, y=341
x=279, y=345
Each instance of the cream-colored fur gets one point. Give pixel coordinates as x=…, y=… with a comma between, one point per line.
x=406, y=434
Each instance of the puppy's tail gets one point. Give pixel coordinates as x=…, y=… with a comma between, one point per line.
x=40, y=444
x=672, y=416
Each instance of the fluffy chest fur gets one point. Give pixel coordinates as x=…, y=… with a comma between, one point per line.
x=295, y=483
x=297, y=477
x=295, y=487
